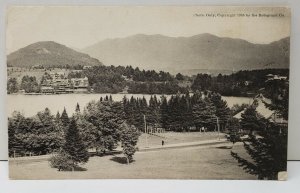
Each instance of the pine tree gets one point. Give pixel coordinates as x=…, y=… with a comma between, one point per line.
x=77, y=110
x=204, y=114
x=251, y=120
x=57, y=117
x=15, y=144
x=173, y=113
x=153, y=112
x=268, y=150
x=74, y=145
x=128, y=110
x=65, y=118
x=222, y=110
x=279, y=94
x=140, y=110
x=267, y=147
x=164, y=112
x=188, y=113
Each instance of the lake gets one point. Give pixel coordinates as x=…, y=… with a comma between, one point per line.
x=29, y=105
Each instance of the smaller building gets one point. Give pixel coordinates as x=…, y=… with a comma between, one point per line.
x=80, y=82
x=47, y=90
x=86, y=67
x=57, y=75
x=259, y=102
x=22, y=91
x=271, y=77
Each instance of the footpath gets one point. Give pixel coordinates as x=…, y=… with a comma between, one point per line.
x=141, y=149
x=184, y=145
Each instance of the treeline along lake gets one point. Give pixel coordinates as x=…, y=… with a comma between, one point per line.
x=29, y=105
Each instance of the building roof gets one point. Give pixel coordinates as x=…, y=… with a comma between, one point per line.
x=47, y=87
x=239, y=115
x=79, y=79
x=259, y=101
x=263, y=110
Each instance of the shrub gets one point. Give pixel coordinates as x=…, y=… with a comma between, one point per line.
x=62, y=162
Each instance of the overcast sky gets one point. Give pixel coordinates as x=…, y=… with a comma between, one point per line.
x=81, y=26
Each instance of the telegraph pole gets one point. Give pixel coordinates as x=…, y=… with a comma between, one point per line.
x=145, y=124
x=218, y=125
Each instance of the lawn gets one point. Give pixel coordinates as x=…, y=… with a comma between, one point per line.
x=175, y=138
x=205, y=162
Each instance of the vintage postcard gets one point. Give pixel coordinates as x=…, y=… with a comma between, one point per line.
x=148, y=92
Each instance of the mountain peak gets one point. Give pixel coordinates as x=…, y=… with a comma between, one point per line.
x=49, y=54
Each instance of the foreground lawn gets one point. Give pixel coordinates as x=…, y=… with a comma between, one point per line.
x=208, y=162
x=176, y=137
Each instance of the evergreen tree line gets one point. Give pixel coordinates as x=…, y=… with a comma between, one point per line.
x=101, y=125
x=156, y=88
x=100, y=122
x=181, y=112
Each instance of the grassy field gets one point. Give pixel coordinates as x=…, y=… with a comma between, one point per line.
x=175, y=137
x=209, y=162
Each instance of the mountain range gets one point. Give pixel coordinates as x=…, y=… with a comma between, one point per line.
x=174, y=54
x=204, y=51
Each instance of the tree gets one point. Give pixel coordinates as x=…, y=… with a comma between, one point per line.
x=106, y=117
x=278, y=91
x=153, y=112
x=16, y=124
x=129, y=137
x=234, y=133
x=36, y=135
x=179, y=76
x=222, y=110
x=74, y=145
x=268, y=151
x=29, y=84
x=12, y=85
x=236, y=108
x=204, y=113
x=87, y=130
x=268, y=147
x=77, y=110
x=202, y=82
x=57, y=117
x=251, y=120
x=164, y=112
x=64, y=118
x=44, y=136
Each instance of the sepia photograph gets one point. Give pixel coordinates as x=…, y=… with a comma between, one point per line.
x=148, y=92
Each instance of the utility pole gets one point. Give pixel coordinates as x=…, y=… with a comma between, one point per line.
x=218, y=125
x=146, y=130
